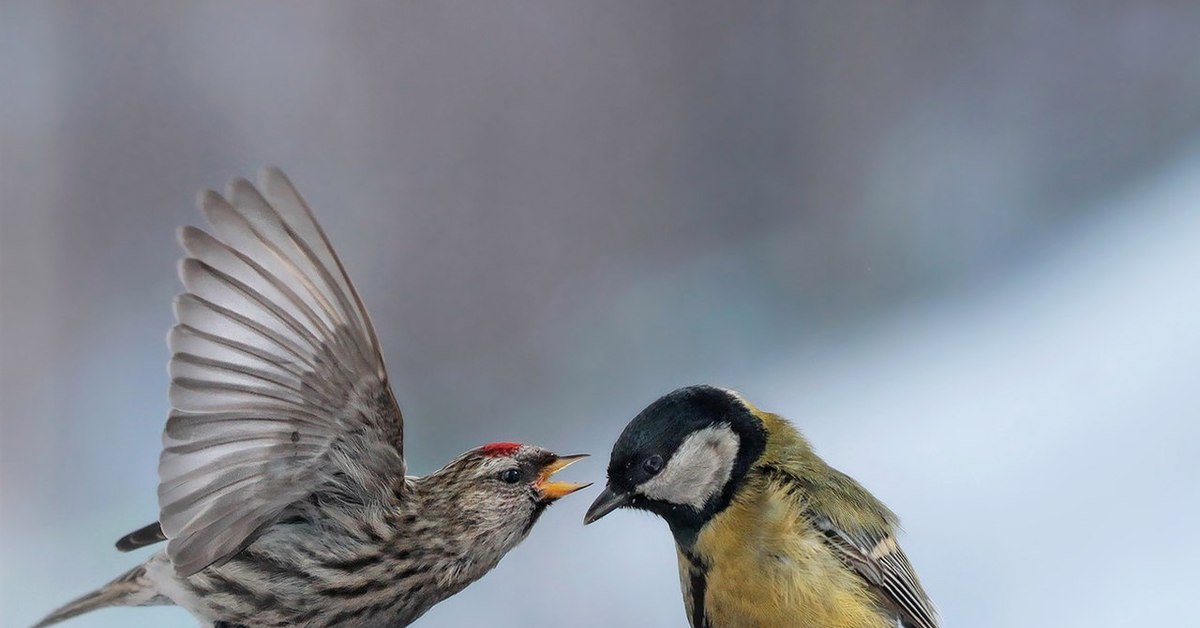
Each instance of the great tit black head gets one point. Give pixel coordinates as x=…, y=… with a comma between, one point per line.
x=682, y=457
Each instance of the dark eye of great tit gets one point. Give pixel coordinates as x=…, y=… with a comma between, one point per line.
x=510, y=476
x=652, y=465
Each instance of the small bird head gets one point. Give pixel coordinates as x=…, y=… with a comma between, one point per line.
x=499, y=490
x=682, y=457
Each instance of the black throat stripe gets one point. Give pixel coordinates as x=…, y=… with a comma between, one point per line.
x=697, y=584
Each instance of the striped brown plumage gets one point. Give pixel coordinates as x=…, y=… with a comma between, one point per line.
x=283, y=497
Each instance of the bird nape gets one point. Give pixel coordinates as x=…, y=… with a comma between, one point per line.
x=767, y=534
x=283, y=498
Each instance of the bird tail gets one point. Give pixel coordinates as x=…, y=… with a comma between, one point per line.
x=131, y=589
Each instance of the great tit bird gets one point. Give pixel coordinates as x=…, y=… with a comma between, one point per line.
x=767, y=534
x=282, y=496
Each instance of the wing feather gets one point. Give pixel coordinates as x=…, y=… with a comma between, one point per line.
x=878, y=558
x=277, y=381
x=870, y=549
x=146, y=535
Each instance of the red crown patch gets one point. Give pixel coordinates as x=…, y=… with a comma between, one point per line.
x=499, y=449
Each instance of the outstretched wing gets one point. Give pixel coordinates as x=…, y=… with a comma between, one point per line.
x=278, y=386
x=877, y=557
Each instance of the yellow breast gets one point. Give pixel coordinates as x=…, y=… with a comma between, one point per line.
x=766, y=567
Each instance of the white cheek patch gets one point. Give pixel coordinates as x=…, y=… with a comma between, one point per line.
x=698, y=470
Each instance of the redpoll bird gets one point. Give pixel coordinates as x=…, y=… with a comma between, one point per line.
x=283, y=497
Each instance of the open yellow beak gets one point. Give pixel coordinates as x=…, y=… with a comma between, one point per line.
x=556, y=490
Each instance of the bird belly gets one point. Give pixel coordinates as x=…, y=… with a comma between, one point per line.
x=778, y=593
x=268, y=586
x=765, y=568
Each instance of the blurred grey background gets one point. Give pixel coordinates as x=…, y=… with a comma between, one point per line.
x=957, y=242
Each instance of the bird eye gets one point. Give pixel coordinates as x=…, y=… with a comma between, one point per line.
x=653, y=464
x=510, y=476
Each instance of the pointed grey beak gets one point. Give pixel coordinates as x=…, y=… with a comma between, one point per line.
x=608, y=501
